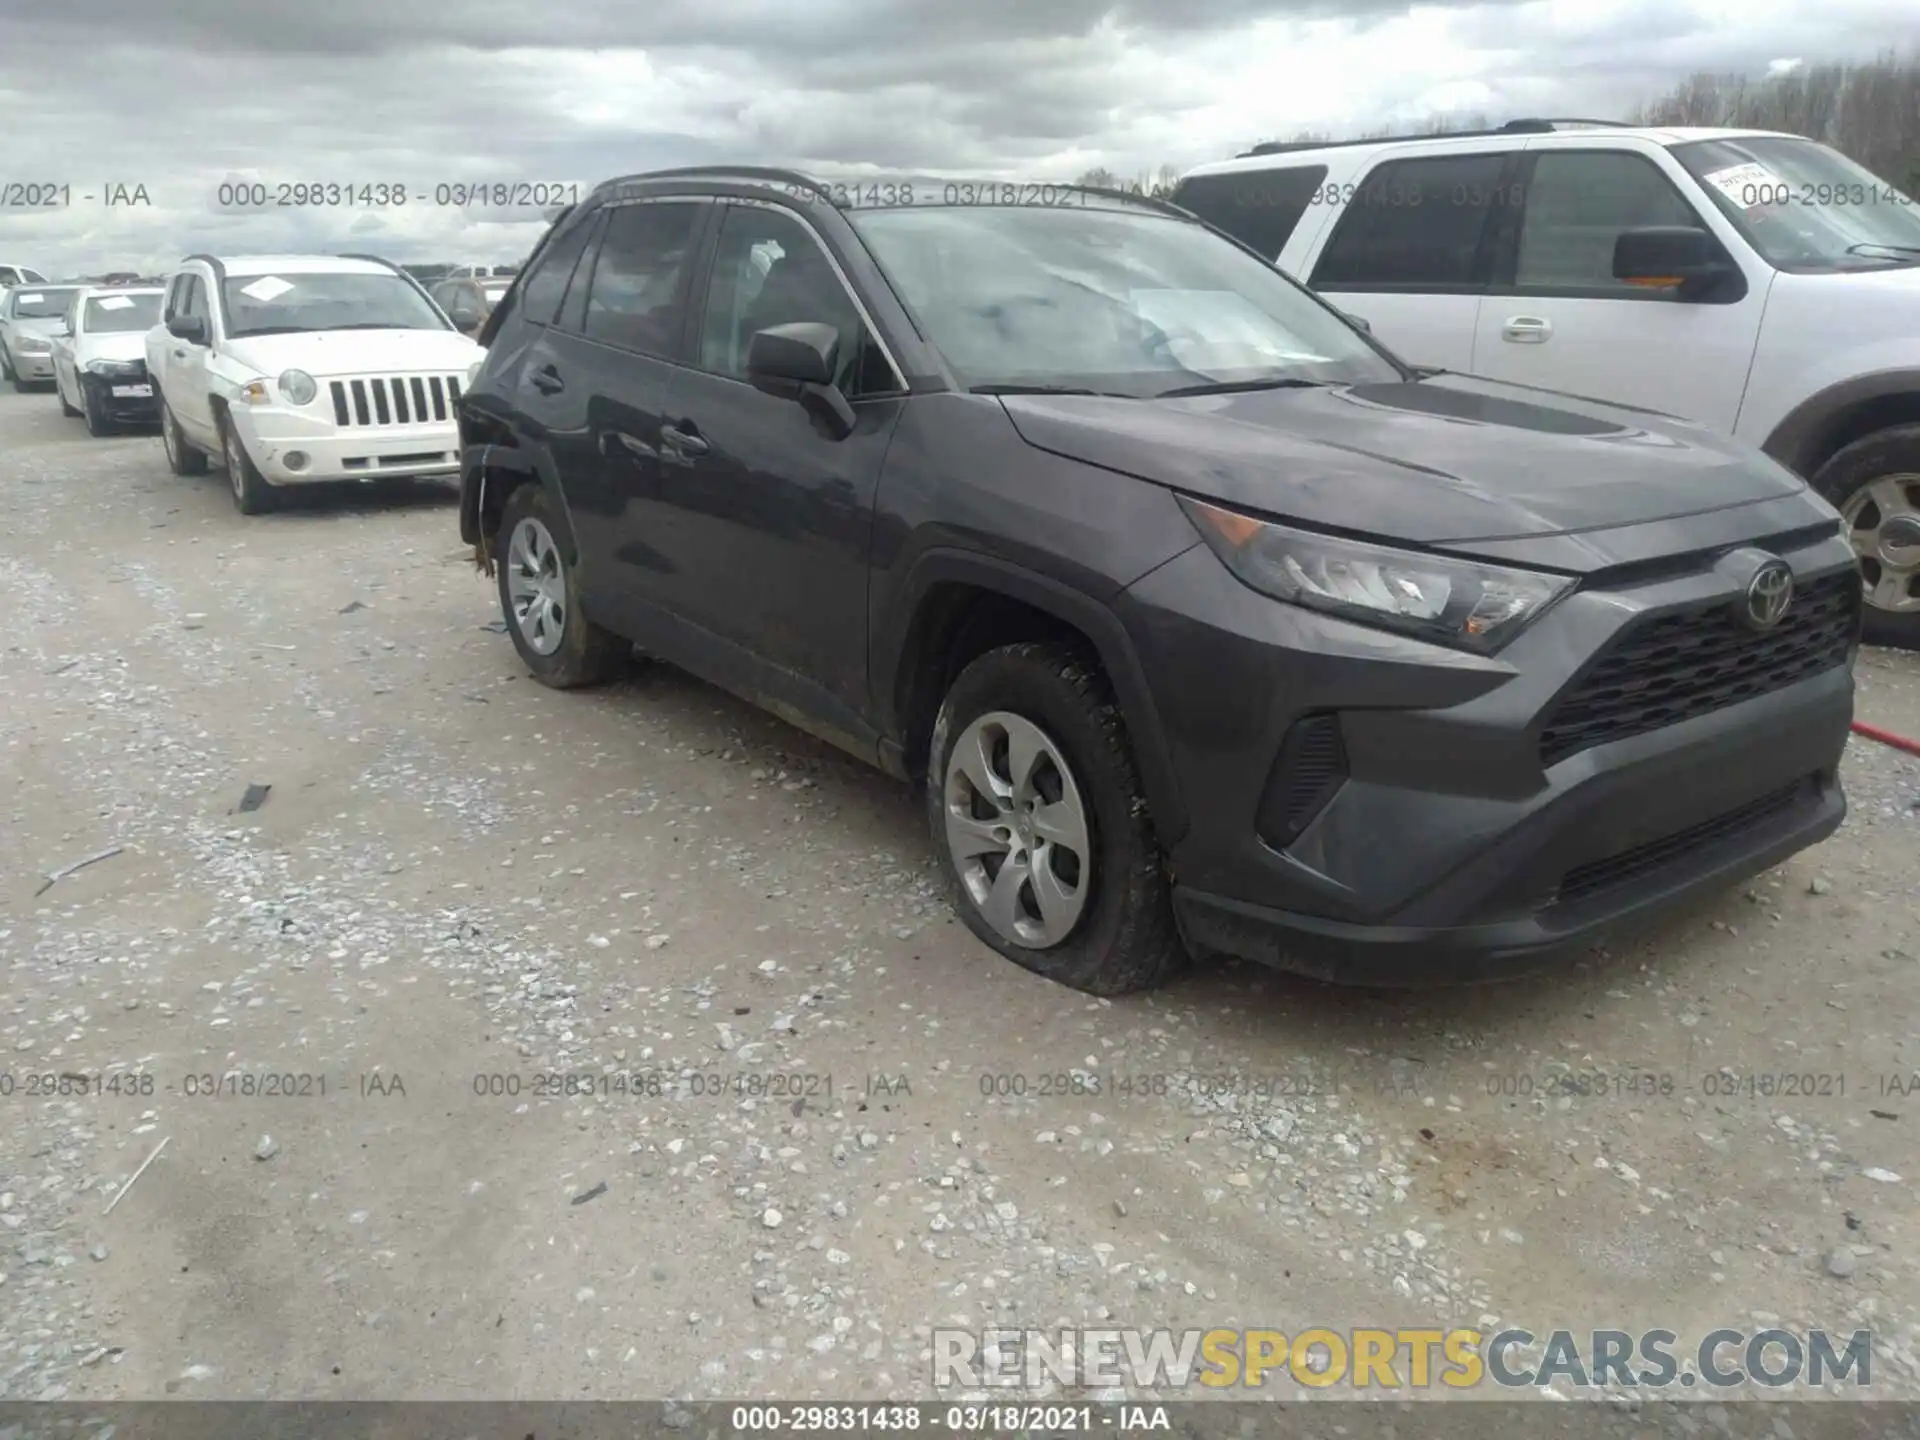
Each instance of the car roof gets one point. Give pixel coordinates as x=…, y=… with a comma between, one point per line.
x=1522, y=132
x=237, y=265
x=851, y=193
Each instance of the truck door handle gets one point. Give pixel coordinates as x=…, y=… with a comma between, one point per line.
x=179, y=354
x=1526, y=330
x=547, y=380
x=688, y=441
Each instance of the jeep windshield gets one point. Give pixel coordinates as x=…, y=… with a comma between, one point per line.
x=1805, y=206
x=116, y=314
x=47, y=304
x=1116, y=302
x=325, y=300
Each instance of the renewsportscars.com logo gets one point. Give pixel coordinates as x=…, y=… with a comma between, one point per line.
x=1400, y=1359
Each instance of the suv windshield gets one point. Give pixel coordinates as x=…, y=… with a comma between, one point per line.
x=1120, y=302
x=108, y=314
x=327, y=300
x=1804, y=206
x=39, y=304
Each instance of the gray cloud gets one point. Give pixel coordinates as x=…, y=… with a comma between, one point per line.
x=183, y=96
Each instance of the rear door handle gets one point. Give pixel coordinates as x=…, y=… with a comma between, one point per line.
x=547, y=380
x=688, y=441
x=1526, y=330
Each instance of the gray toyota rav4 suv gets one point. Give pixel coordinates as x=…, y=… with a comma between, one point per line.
x=1207, y=624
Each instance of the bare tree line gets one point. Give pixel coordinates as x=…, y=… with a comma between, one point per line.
x=1869, y=110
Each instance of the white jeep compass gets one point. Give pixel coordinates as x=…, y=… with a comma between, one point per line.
x=302, y=369
x=1759, y=284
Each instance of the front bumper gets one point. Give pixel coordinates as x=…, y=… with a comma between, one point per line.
x=272, y=434
x=108, y=392
x=1453, y=844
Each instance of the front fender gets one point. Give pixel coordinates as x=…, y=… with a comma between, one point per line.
x=1800, y=440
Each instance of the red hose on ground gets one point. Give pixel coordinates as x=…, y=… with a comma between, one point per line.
x=1886, y=737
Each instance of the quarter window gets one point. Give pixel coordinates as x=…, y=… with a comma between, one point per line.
x=1259, y=208
x=1414, y=224
x=540, y=296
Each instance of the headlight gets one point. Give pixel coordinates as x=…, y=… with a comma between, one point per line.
x=254, y=392
x=34, y=345
x=118, y=369
x=298, y=387
x=1463, y=603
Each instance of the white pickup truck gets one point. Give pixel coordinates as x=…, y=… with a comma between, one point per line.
x=1759, y=284
x=305, y=369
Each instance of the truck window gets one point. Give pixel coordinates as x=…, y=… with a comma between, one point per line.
x=1413, y=225
x=1577, y=203
x=1259, y=208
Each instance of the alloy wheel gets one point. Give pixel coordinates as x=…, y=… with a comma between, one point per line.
x=537, y=586
x=1017, y=829
x=1883, y=522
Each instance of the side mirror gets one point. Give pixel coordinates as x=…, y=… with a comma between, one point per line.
x=190, y=328
x=804, y=353
x=465, y=319
x=1666, y=257
x=798, y=362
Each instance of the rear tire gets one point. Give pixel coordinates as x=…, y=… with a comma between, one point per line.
x=182, y=457
x=540, y=598
x=1030, y=767
x=251, y=493
x=1875, y=484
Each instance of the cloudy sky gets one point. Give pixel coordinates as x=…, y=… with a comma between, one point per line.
x=179, y=96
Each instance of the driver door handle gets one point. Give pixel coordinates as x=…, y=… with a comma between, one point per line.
x=684, y=437
x=1526, y=330
x=547, y=380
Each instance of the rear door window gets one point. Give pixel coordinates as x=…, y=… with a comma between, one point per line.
x=1415, y=224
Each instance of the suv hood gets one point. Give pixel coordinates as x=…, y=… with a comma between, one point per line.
x=323, y=353
x=1450, y=461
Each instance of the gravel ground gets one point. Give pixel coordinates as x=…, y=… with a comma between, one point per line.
x=460, y=881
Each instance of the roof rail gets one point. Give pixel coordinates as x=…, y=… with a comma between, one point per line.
x=1512, y=127
x=758, y=174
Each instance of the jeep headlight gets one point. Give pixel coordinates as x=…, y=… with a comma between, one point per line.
x=298, y=387
x=115, y=369
x=1463, y=603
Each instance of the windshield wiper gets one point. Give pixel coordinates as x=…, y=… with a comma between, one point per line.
x=269, y=330
x=1044, y=390
x=1231, y=387
x=372, y=325
x=1866, y=245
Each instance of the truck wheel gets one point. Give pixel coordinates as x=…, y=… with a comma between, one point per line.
x=6, y=364
x=1875, y=484
x=182, y=457
x=540, y=599
x=1037, y=817
x=251, y=493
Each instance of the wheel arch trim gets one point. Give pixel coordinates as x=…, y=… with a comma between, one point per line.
x=894, y=674
x=1797, y=440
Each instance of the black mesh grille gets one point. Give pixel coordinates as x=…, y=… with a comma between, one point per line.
x=1598, y=875
x=1673, y=668
x=1311, y=766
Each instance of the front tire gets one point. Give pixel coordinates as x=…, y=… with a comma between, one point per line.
x=182, y=457
x=68, y=410
x=98, y=425
x=251, y=493
x=1875, y=485
x=1043, y=835
x=540, y=599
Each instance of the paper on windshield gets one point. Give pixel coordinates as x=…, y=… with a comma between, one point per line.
x=25, y=299
x=116, y=302
x=267, y=287
x=1741, y=184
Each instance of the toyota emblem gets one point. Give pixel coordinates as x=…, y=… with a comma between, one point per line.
x=1769, y=594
